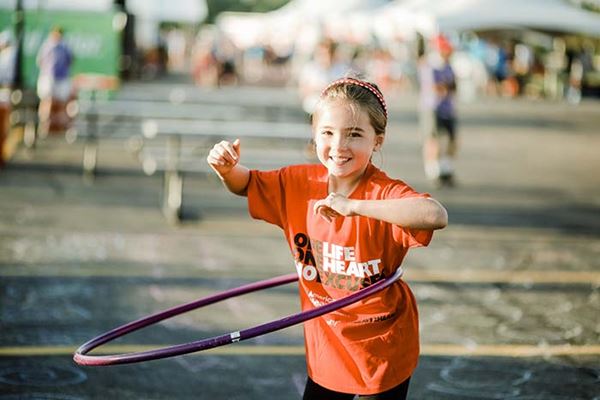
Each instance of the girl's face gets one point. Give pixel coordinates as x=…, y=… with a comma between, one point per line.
x=345, y=140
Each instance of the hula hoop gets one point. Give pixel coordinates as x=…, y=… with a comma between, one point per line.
x=82, y=358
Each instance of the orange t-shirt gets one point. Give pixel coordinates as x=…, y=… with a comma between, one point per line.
x=370, y=346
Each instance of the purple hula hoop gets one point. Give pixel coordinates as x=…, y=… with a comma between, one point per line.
x=82, y=358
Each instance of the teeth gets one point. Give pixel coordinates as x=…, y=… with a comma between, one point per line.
x=340, y=159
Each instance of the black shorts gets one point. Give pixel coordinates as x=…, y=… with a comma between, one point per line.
x=446, y=126
x=314, y=391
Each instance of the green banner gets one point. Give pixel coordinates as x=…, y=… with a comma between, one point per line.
x=94, y=38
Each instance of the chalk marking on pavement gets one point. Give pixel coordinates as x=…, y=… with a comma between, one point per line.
x=483, y=350
x=412, y=274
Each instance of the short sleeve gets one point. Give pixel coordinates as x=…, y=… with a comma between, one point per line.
x=266, y=196
x=405, y=237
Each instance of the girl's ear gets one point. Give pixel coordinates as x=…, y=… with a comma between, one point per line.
x=378, y=142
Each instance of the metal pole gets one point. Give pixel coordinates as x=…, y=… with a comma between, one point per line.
x=19, y=26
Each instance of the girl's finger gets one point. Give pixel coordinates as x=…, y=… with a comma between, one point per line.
x=236, y=146
x=318, y=205
x=217, y=161
x=224, y=154
x=231, y=150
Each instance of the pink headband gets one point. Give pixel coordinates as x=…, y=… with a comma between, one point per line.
x=363, y=84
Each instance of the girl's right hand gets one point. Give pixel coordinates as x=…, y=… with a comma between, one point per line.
x=224, y=156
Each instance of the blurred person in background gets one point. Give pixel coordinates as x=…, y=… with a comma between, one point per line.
x=205, y=71
x=7, y=59
x=176, y=43
x=437, y=114
x=54, y=60
x=324, y=67
x=575, y=78
x=522, y=64
x=225, y=53
x=497, y=65
x=7, y=69
x=380, y=67
x=579, y=64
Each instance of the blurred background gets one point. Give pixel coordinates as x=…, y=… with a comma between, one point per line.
x=510, y=49
x=506, y=49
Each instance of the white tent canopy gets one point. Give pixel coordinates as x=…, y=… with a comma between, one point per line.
x=289, y=23
x=460, y=15
x=245, y=29
x=394, y=19
x=187, y=11
x=151, y=13
x=322, y=9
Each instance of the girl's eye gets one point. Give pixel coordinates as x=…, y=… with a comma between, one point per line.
x=327, y=133
x=355, y=134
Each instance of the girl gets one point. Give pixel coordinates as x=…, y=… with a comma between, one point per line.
x=348, y=225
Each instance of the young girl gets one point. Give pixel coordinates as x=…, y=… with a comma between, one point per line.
x=348, y=225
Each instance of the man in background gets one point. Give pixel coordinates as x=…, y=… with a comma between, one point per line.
x=437, y=83
x=54, y=60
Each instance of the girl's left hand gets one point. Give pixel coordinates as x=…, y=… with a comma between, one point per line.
x=333, y=206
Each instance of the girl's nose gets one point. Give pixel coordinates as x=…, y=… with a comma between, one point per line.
x=339, y=141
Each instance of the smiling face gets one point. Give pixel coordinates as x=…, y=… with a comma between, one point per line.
x=345, y=140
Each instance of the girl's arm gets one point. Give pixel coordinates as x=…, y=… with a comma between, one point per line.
x=224, y=160
x=412, y=213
